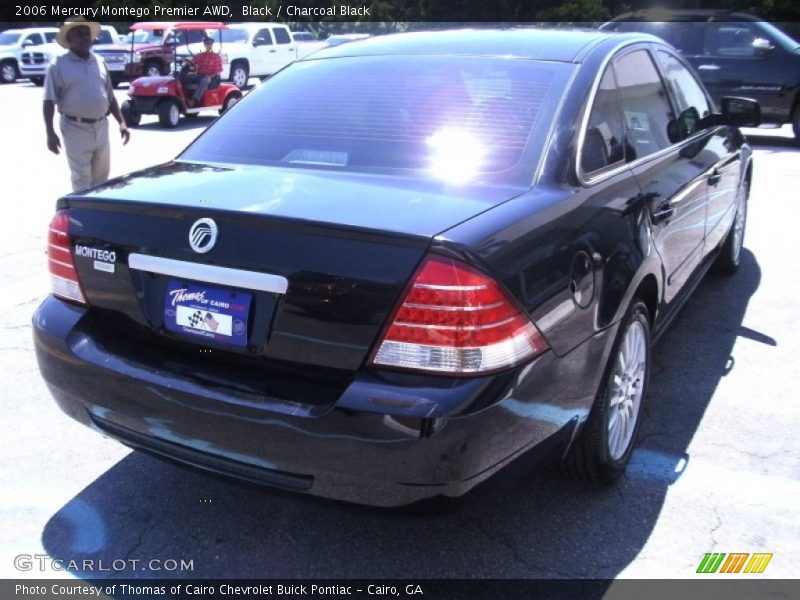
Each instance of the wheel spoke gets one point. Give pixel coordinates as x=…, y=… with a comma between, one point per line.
x=613, y=420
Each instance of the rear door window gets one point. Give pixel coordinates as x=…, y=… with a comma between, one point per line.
x=281, y=35
x=645, y=103
x=604, y=135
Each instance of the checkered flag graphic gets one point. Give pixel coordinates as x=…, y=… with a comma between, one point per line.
x=196, y=318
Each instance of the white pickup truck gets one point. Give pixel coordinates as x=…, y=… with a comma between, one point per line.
x=13, y=42
x=35, y=61
x=254, y=50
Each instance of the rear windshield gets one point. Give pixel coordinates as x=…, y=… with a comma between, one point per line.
x=452, y=118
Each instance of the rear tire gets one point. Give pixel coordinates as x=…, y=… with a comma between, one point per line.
x=796, y=123
x=604, y=447
x=8, y=71
x=240, y=73
x=169, y=114
x=730, y=256
x=37, y=81
x=130, y=114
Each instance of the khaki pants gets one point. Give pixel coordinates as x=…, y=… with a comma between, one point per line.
x=88, y=151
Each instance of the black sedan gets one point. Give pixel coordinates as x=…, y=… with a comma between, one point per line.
x=400, y=265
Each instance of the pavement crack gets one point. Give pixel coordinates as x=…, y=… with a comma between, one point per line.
x=140, y=538
x=715, y=528
x=515, y=552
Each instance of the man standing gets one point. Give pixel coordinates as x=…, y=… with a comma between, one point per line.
x=209, y=64
x=79, y=84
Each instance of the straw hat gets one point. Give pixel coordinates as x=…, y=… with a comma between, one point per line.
x=73, y=22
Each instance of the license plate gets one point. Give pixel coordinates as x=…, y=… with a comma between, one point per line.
x=115, y=67
x=207, y=313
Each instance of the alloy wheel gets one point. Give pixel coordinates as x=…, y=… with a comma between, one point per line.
x=738, y=229
x=626, y=388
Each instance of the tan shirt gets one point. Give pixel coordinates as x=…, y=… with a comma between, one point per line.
x=78, y=87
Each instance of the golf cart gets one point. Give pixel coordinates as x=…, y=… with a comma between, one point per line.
x=166, y=95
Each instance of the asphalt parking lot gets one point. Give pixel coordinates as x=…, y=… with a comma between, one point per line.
x=717, y=468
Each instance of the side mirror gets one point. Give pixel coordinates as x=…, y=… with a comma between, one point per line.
x=762, y=46
x=740, y=112
x=27, y=43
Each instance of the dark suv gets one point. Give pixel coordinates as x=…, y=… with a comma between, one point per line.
x=735, y=54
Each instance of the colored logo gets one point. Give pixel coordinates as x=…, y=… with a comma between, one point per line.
x=203, y=235
x=737, y=562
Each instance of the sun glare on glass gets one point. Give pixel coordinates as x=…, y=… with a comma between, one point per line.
x=455, y=155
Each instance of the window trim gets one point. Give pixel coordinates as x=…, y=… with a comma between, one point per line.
x=622, y=161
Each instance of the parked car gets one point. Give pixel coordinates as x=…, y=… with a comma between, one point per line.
x=13, y=42
x=345, y=38
x=734, y=54
x=303, y=36
x=254, y=50
x=33, y=63
x=402, y=264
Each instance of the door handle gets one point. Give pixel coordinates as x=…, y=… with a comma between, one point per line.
x=273, y=50
x=714, y=178
x=664, y=213
x=708, y=67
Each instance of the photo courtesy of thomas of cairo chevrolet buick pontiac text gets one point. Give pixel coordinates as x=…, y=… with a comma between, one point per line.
x=402, y=263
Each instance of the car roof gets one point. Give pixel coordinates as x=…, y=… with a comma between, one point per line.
x=185, y=25
x=256, y=25
x=30, y=30
x=687, y=14
x=561, y=45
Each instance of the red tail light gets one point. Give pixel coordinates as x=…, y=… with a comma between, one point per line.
x=64, y=277
x=455, y=319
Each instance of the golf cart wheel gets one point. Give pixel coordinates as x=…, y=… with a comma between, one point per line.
x=169, y=114
x=130, y=114
x=232, y=99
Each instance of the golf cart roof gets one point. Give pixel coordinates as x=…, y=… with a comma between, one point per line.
x=186, y=25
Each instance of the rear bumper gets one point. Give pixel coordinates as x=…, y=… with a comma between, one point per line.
x=342, y=453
